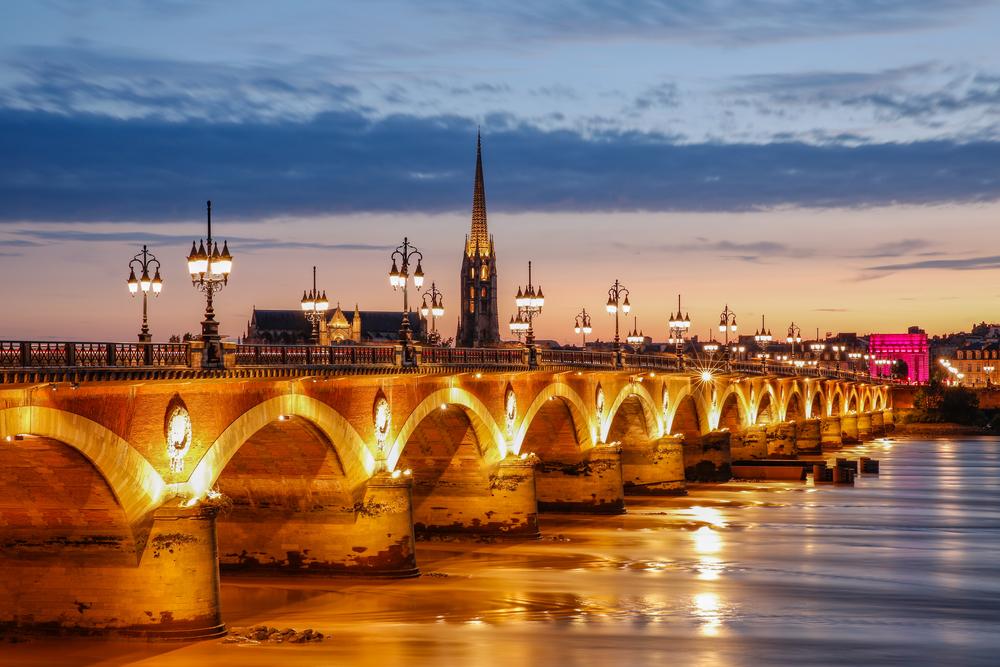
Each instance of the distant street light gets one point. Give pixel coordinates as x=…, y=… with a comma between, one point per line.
x=636, y=338
x=314, y=307
x=727, y=324
x=581, y=325
x=679, y=325
x=435, y=308
x=144, y=261
x=762, y=337
x=794, y=336
x=989, y=374
x=618, y=301
x=210, y=271
x=399, y=277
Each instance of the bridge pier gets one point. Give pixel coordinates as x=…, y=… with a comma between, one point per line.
x=864, y=426
x=507, y=507
x=849, y=428
x=750, y=444
x=655, y=469
x=831, y=435
x=781, y=440
x=878, y=424
x=889, y=420
x=708, y=459
x=807, y=437
x=593, y=484
x=372, y=537
x=172, y=592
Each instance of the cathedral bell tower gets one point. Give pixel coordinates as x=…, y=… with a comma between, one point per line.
x=478, y=322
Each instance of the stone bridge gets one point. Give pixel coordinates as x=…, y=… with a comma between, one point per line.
x=125, y=488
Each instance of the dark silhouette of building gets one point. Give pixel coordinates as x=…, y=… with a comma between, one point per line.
x=290, y=327
x=478, y=322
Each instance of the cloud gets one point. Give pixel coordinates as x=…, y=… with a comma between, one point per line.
x=658, y=97
x=69, y=168
x=957, y=264
x=898, y=248
x=139, y=236
x=713, y=21
x=831, y=310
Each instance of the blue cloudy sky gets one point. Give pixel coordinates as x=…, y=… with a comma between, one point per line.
x=835, y=163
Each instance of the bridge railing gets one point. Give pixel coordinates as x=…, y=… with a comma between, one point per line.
x=66, y=356
x=577, y=358
x=52, y=354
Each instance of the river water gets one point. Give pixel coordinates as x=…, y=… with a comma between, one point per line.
x=901, y=569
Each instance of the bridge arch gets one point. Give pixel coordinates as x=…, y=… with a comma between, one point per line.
x=766, y=409
x=793, y=408
x=637, y=394
x=734, y=410
x=818, y=403
x=566, y=397
x=688, y=415
x=488, y=432
x=357, y=459
x=852, y=400
x=836, y=401
x=136, y=485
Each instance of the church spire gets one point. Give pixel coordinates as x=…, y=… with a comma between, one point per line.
x=479, y=238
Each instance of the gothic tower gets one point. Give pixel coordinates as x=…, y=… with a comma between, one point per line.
x=478, y=323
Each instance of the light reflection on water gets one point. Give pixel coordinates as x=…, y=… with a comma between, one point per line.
x=901, y=569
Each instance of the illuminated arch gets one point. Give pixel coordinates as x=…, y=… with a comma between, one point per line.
x=488, y=432
x=742, y=407
x=836, y=401
x=793, y=391
x=650, y=411
x=582, y=422
x=852, y=400
x=137, y=486
x=817, y=393
x=702, y=412
x=356, y=458
x=768, y=389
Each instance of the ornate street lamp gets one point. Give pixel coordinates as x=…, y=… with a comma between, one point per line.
x=399, y=278
x=727, y=324
x=679, y=326
x=711, y=347
x=794, y=336
x=314, y=306
x=144, y=261
x=529, y=304
x=581, y=325
x=618, y=301
x=636, y=338
x=763, y=337
x=435, y=308
x=210, y=271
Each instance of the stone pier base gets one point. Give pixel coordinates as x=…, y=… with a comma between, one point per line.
x=864, y=426
x=831, y=435
x=807, y=437
x=781, y=440
x=709, y=459
x=374, y=537
x=170, y=591
x=889, y=419
x=878, y=424
x=750, y=444
x=507, y=507
x=657, y=468
x=849, y=428
x=593, y=484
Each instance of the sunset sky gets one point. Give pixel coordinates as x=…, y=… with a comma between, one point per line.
x=832, y=163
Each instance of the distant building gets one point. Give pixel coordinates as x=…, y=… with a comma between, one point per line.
x=478, y=319
x=911, y=348
x=290, y=327
x=977, y=363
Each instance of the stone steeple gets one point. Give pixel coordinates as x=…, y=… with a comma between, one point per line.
x=479, y=236
x=478, y=322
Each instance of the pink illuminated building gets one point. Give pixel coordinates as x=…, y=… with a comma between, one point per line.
x=910, y=347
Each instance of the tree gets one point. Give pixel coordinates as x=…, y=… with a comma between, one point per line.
x=900, y=371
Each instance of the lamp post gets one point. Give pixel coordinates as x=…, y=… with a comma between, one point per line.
x=529, y=304
x=314, y=307
x=679, y=325
x=636, y=338
x=435, y=309
x=399, y=278
x=581, y=325
x=210, y=271
x=763, y=337
x=710, y=348
x=989, y=375
x=144, y=261
x=794, y=336
x=727, y=324
x=618, y=300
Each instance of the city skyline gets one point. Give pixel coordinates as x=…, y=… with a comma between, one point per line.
x=842, y=178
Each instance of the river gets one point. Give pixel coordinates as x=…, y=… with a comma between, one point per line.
x=901, y=569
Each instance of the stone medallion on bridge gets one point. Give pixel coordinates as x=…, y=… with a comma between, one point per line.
x=177, y=432
x=510, y=410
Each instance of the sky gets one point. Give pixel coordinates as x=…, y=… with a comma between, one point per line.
x=832, y=163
